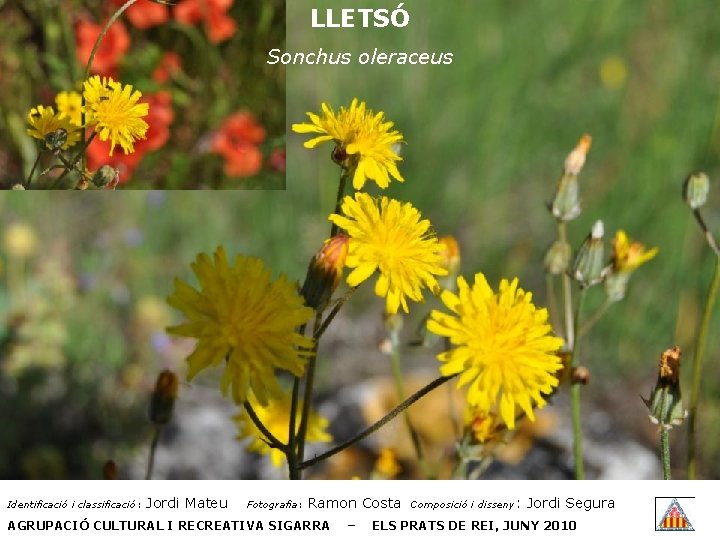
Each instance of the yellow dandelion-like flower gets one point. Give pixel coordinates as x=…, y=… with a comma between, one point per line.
x=627, y=255
x=43, y=122
x=242, y=318
x=392, y=238
x=114, y=110
x=361, y=136
x=69, y=105
x=276, y=418
x=501, y=346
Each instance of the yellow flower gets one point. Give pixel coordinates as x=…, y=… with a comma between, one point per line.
x=390, y=237
x=386, y=465
x=276, y=418
x=115, y=112
x=242, y=319
x=69, y=105
x=501, y=346
x=43, y=122
x=362, y=137
x=627, y=256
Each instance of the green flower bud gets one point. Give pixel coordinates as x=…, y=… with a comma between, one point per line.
x=566, y=204
x=589, y=267
x=104, y=176
x=557, y=258
x=695, y=190
x=665, y=402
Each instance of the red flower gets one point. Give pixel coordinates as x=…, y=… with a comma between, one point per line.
x=97, y=156
x=160, y=116
x=219, y=25
x=169, y=64
x=145, y=13
x=237, y=141
x=113, y=46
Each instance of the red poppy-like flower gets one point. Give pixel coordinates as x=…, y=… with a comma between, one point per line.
x=219, y=25
x=145, y=13
x=160, y=116
x=97, y=156
x=169, y=64
x=113, y=46
x=237, y=141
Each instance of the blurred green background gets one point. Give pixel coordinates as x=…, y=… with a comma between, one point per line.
x=486, y=139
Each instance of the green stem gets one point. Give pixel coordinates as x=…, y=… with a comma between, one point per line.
x=594, y=318
x=292, y=459
x=317, y=334
x=308, y=395
x=400, y=389
x=575, y=395
x=271, y=440
x=32, y=171
x=665, y=451
x=551, y=299
x=114, y=17
x=338, y=199
x=708, y=234
x=567, y=294
x=80, y=154
x=153, y=448
x=697, y=368
x=380, y=423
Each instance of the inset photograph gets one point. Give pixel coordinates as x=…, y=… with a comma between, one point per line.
x=141, y=94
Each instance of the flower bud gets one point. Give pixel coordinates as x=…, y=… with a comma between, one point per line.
x=110, y=471
x=557, y=258
x=581, y=375
x=163, y=397
x=450, y=256
x=576, y=159
x=566, y=204
x=324, y=272
x=105, y=176
x=665, y=402
x=695, y=190
x=589, y=267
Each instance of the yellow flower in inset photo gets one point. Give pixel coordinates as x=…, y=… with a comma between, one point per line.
x=276, y=418
x=44, y=122
x=389, y=236
x=362, y=137
x=114, y=110
x=244, y=321
x=501, y=345
x=69, y=105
